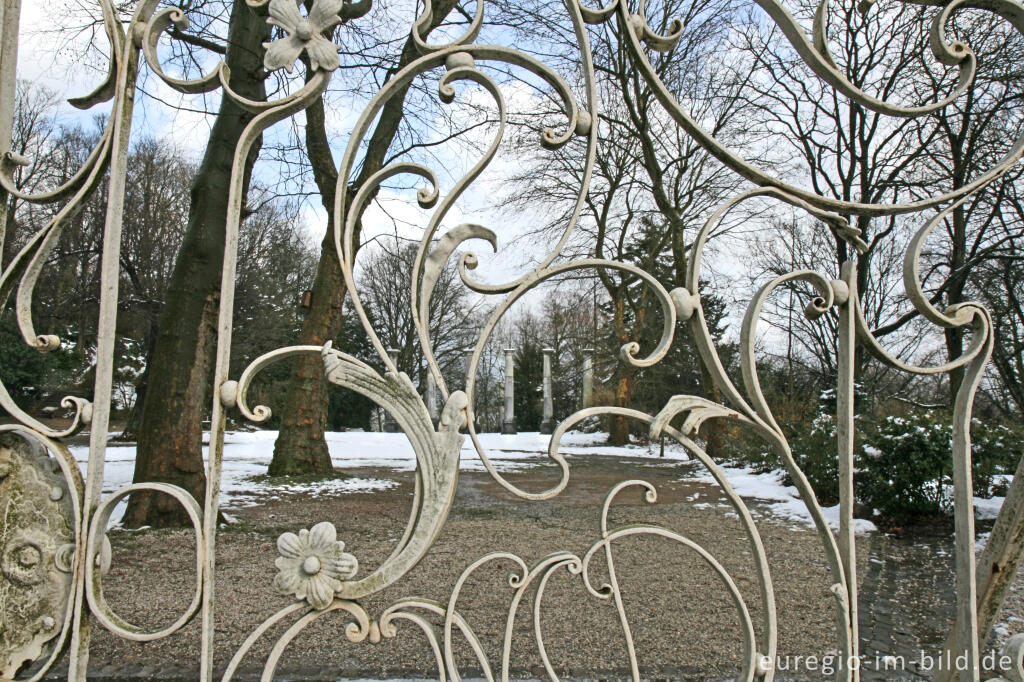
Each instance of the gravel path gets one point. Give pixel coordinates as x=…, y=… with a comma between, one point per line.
x=684, y=623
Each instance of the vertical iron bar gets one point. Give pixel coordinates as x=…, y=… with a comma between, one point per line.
x=222, y=397
x=845, y=409
x=10, y=19
x=106, y=332
x=217, y=426
x=963, y=511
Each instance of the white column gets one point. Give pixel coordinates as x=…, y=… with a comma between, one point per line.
x=588, y=377
x=390, y=425
x=509, y=424
x=547, y=425
x=468, y=353
x=467, y=358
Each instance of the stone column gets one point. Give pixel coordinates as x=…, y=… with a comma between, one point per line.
x=588, y=377
x=390, y=425
x=468, y=353
x=548, y=423
x=508, y=425
x=431, y=398
x=467, y=356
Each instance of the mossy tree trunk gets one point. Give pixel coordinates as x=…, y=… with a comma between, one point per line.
x=170, y=438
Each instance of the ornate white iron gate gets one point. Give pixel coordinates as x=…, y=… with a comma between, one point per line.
x=58, y=558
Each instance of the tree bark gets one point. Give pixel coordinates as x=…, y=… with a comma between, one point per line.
x=954, y=336
x=619, y=432
x=998, y=566
x=170, y=437
x=300, y=446
x=133, y=423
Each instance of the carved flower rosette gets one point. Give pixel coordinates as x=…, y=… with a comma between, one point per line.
x=313, y=564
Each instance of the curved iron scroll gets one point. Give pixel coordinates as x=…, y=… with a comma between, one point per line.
x=314, y=566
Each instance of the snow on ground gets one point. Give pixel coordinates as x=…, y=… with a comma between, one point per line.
x=247, y=454
x=782, y=500
x=506, y=452
x=988, y=508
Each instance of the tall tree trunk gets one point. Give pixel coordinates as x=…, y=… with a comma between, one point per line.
x=619, y=432
x=713, y=430
x=300, y=446
x=130, y=432
x=170, y=439
x=957, y=286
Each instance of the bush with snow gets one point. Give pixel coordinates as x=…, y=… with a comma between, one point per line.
x=903, y=463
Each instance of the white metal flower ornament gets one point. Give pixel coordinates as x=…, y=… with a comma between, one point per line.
x=313, y=564
x=303, y=33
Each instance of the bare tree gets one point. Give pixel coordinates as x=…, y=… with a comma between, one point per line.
x=453, y=314
x=154, y=226
x=973, y=134
x=854, y=154
x=847, y=151
x=654, y=186
x=300, y=447
x=170, y=436
x=32, y=139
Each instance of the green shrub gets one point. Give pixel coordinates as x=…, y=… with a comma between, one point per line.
x=903, y=465
x=814, y=450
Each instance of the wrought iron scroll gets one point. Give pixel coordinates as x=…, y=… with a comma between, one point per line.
x=313, y=566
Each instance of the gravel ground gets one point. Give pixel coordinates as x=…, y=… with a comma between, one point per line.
x=684, y=623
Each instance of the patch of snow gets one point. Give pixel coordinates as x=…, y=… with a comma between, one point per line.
x=248, y=453
x=988, y=508
x=783, y=500
x=506, y=452
x=258, y=491
x=871, y=451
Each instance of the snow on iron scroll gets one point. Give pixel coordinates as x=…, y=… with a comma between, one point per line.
x=314, y=566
